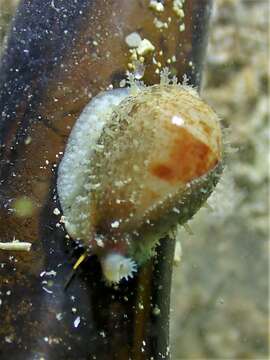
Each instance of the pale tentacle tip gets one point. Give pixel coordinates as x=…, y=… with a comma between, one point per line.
x=116, y=267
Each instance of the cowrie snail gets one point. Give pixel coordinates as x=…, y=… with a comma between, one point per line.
x=138, y=162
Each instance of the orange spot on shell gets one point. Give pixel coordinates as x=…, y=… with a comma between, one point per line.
x=189, y=159
x=163, y=171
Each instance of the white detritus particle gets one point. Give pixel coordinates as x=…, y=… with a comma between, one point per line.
x=47, y=290
x=99, y=242
x=133, y=53
x=178, y=8
x=145, y=47
x=62, y=219
x=160, y=24
x=51, y=273
x=115, y=224
x=156, y=311
x=56, y=211
x=28, y=140
x=122, y=83
x=15, y=245
x=77, y=321
x=95, y=186
x=179, y=11
x=177, y=253
x=133, y=40
x=48, y=273
x=59, y=316
x=8, y=339
x=139, y=68
x=157, y=6
x=182, y=27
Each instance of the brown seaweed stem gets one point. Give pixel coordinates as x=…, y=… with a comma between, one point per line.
x=48, y=71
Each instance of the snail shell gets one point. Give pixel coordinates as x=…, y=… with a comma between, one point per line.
x=136, y=164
